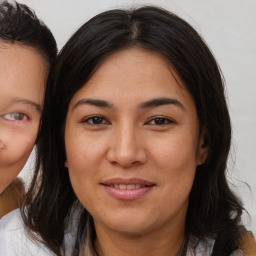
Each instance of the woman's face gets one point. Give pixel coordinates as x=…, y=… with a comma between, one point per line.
x=133, y=144
x=22, y=77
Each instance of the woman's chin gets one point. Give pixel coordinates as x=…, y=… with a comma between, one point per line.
x=129, y=225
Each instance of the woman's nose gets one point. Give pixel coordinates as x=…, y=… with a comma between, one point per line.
x=126, y=147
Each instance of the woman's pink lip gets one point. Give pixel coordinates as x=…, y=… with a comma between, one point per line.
x=127, y=194
x=127, y=181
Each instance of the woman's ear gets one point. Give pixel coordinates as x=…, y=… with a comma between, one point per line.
x=66, y=164
x=203, y=147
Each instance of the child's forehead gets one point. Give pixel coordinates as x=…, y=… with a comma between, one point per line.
x=22, y=76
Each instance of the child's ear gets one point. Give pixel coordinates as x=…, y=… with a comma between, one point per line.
x=203, y=147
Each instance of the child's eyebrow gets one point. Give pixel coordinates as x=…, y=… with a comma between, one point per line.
x=29, y=102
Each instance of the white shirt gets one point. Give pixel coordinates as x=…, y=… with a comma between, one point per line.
x=14, y=240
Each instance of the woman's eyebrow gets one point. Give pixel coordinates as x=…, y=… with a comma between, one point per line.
x=31, y=103
x=94, y=102
x=147, y=104
x=161, y=101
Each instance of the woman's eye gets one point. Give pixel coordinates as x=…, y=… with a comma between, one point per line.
x=14, y=116
x=159, y=121
x=95, y=120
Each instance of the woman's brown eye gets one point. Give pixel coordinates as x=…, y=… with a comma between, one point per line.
x=95, y=120
x=159, y=121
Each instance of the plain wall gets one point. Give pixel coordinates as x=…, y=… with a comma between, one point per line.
x=228, y=27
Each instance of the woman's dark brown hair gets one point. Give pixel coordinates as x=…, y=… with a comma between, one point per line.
x=212, y=205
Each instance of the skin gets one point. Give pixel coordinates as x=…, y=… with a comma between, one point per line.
x=130, y=139
x=23, y=73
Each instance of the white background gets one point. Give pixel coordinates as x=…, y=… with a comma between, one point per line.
x=229, y=28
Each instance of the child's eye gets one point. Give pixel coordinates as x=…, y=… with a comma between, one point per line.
x=95, y=120
x=159, y=121
x=14, y=116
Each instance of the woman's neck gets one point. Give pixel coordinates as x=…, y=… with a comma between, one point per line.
x=158, y=243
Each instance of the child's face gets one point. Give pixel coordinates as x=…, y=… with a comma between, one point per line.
x=23, y=73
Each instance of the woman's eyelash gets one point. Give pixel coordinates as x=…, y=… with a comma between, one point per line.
x=95, y=120
x=99, y=120
x=160, y=120
x=14, y=116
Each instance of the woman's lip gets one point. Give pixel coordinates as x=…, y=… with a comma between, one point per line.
x=127, y=194
x=129, y=181
x=127, y=189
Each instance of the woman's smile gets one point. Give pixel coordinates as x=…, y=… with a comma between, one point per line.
x=127, y=189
